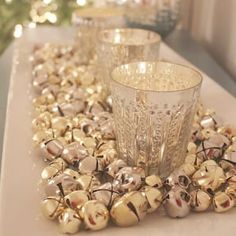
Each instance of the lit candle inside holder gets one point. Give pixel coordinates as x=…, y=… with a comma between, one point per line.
x=154, y=104
x=89, y=21
x=120, y=46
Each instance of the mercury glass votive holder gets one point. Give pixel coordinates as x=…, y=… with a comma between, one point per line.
x=120, y=46
x=88, y=23
x=154, y=104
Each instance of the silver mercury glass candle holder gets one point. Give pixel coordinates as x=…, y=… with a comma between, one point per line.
x=120, y=46
x=88, y=23
x=154, y=104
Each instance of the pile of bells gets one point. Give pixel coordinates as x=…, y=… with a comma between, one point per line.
x=85, y=183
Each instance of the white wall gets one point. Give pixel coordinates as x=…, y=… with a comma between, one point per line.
x=214, y=24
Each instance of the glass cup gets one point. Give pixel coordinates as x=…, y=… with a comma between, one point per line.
x=154, y=104
x=120, y=46
x=89, y=21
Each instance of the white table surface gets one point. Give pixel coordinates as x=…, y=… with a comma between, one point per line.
x=19, y=196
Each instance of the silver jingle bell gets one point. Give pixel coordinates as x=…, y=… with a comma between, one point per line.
x=76, y=199
x=69, y=221
x=177, y=177
x=153, y=196
x=51, y=149
x=52, y=207
x=74, y=152
x=113, y=168
x=177, y=202
x=222, y=202
x=129, y=209
x=128, y=179
x=55, y=167
x=107, y=156
x=87, y=182
x=95, y=215
x=200, y=200
x=61, y=185
x=105, y=193
x=73, y=173
x=89, y=165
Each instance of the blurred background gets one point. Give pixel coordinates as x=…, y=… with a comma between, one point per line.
x=211, y=23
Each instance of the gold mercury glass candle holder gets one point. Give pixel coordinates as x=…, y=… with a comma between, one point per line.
x=154, y=104
x=89, y=21
x=120, y=46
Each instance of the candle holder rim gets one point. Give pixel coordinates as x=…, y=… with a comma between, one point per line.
x=157, y=38
x=119, y=12
x=159, y=91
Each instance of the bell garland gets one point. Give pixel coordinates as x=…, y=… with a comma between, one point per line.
x=85, y=183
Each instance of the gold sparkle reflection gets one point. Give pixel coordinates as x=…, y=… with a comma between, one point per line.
x=47, y=1
x=18, y=31
x=81, y=2
x=52, y=18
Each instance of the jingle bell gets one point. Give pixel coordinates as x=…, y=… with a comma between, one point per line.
x=61, y=185
x=200, y=200
x=128, y=179
x=129, y=209
x=74, y=152
x=153, y=181
x=153, y=196
x=56, y=167
x=177, y=177
x=52, y=207
x=89, y=165
x=222, y=202
x=51, y=149
x=76, y=199
x=177, y=202
x=105, y=193
x=209, y=176
x=113, y=168
x=69, y=221
x=95, y=215
x=87, y=182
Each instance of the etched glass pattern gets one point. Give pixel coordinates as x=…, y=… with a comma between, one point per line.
x=154, y=104
x=120, y=46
